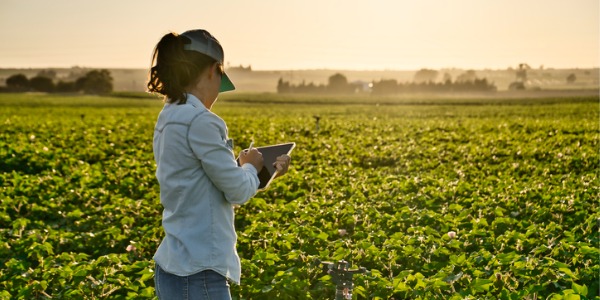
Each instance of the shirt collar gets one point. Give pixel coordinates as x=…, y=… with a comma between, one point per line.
x=194, y=101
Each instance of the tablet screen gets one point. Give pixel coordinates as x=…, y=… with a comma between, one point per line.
x=270, y=154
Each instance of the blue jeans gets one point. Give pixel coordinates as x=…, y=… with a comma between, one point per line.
x=205, y=285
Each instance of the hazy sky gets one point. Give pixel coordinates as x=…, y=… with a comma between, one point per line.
x=307, y=34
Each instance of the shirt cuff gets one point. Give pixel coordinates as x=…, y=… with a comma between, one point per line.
x=251, y=167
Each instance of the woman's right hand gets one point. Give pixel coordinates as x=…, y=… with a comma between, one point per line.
x=253, y=157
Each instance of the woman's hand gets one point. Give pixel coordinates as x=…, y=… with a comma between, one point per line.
x=253, y=157
x=282, y=164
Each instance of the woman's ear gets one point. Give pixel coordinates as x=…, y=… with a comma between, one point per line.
x=213, y=70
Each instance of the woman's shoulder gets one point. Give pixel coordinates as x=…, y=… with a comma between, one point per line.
x=207, y=117
x=188, y=114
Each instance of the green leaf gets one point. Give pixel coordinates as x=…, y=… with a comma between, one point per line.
x=80, y=273
x=267, y=288
x=568, y=272
x=455, y=207
x=572, y=297
x=359, y=290
x=580, y=289
x=146, y=276
x=453, y=278
x=375, y=273
x=420, y=284
x=5, y=295
x=499, y=211
x=399, y=285
x=508, y=258
x=322, y=236
x=586, y=250
x=481, y=285
x=439, y=283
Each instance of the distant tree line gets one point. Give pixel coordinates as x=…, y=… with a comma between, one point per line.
x=424, y=82
x=391, y=86
x=97, y=82
x=337, y=84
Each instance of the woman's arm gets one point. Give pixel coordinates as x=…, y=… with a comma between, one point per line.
x=207, y=137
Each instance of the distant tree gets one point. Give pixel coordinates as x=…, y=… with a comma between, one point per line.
x=66, y=87
x=283, y=86
x=483, y=85
x=75, y=73
x=17, y=82
x=338, y=83
x=385, y=86
x=41, y=84
x=447, y=78
x=80, y=83
x=425, y=75
x=97, y=82
x=49, y=73
x=571, y=78
x=469, y=75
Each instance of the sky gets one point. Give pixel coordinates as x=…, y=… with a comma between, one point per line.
x=307, y=34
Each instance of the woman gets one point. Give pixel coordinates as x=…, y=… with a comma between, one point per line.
x=199, y=177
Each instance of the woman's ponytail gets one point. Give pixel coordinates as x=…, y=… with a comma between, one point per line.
x=174, y=68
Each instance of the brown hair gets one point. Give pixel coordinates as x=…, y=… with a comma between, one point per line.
x=175, y=68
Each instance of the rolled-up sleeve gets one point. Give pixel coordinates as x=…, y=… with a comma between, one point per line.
x=207, y=137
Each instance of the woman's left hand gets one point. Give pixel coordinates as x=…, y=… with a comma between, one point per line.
x=282, y=164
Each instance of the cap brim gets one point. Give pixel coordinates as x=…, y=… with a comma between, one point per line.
x=226, y=84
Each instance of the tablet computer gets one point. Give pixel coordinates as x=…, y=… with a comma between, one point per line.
x=270, y=154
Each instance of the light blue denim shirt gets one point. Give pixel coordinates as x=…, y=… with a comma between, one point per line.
x=200, y=182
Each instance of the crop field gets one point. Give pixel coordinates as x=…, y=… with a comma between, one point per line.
x=438, y=199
